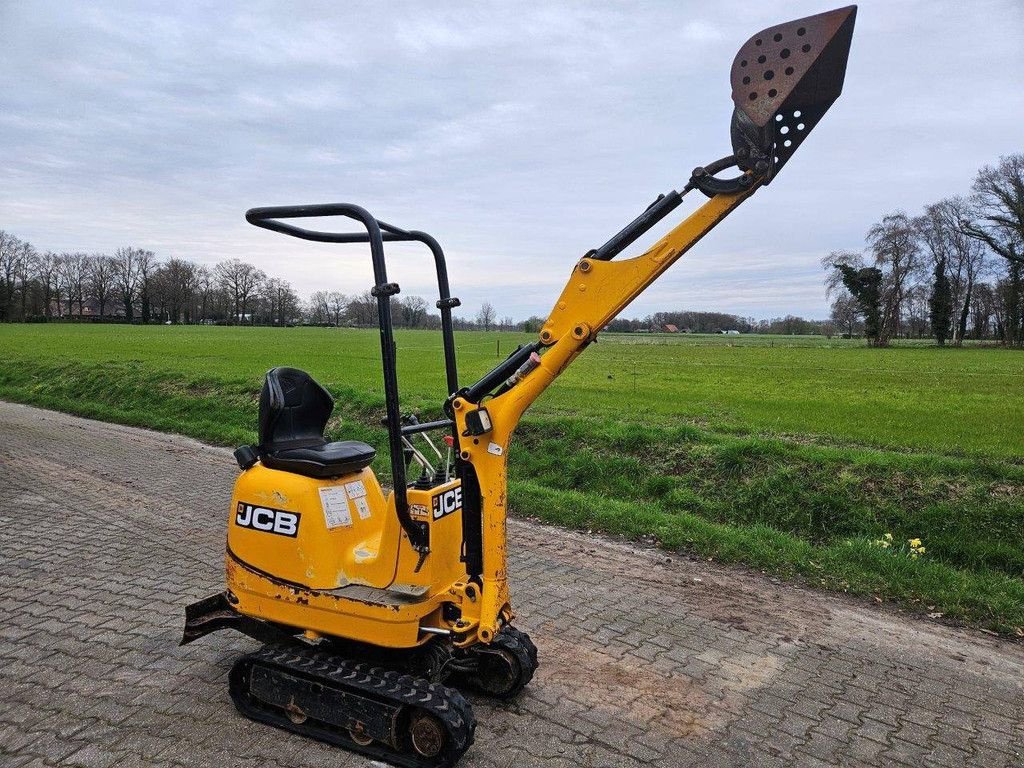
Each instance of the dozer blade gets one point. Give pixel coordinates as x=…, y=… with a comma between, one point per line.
x=784, y=79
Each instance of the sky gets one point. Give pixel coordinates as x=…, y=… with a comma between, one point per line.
x=520, y=135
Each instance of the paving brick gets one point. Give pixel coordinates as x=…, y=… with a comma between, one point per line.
x=641, y=664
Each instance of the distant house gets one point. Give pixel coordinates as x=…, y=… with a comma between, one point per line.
x=731, y=333
x=670, y=328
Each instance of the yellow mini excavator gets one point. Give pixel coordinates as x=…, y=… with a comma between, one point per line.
x=374, y=606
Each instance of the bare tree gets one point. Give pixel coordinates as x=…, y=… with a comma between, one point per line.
x=998, y=208
x=205, y=287
x=127, y=264
x=289, y=305
x=241, y=280
x=281, y=300
x=11, y=254
x=173, y=285
x=362, y=309
x=833, y=277
x=846, y=313
x=916, y=311
x=26, y=277
x=47, y=270
x=485, y=317
x=147, y=265
x=894, y=244
x=317, y=310
x=101, y=279
x=73, y=271
x=959, y=255
x=337, y=304
x=984, y=309
x=413, y=310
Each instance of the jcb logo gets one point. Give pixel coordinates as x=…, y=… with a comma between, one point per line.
x=447, y=502
x=266, y=519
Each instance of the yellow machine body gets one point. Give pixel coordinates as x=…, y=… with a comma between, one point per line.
x=328, y=556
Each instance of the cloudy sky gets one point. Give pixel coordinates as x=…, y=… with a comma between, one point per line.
x=519, y=135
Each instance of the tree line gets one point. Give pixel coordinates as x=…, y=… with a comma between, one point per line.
x=954, y=272
x=689, y=321
x=133, y=285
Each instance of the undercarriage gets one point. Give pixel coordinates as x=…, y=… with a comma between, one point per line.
x=387, y=704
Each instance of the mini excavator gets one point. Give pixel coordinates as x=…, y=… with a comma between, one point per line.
x=376, y=606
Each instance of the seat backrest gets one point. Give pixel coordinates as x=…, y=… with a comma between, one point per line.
x=294, y=410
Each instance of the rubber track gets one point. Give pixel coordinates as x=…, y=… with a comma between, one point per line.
x=446, y=704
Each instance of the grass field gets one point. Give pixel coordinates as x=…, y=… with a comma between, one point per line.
x=790, y=454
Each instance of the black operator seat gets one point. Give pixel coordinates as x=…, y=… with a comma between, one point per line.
x=294, y=410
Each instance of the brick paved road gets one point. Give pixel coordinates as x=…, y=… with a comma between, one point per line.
x=107, y=532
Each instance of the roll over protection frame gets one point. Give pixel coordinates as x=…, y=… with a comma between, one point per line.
x=377, y=233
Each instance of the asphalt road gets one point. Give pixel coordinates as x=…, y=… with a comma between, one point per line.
x=107, y=532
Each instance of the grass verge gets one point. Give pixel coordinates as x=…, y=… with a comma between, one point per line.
x=788, y=508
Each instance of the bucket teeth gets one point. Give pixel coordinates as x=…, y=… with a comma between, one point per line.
x=784, y=79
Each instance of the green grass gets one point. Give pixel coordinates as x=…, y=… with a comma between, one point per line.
x=789, y=454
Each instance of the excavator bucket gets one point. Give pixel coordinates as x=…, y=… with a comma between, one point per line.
x=784, y=79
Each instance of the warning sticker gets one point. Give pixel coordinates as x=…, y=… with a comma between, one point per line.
x=335, y=504
x=362, y=507
x=355, y=489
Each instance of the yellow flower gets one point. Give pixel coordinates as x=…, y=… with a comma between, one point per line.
x=888, y=537
x=915, y=542
x=920, y=550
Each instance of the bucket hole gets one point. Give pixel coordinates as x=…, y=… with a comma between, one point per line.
x=797, y=113
x=773, y=93
x=778, y=118
x=789, y=70
x=784, y=53
x=787, y=143
x=784, y=129
x=753, y=95
x=746, y=80
x=805, y=47
x=762, y=59
x=743, y=63
x=801, y=32
x=769, y=74
x=800, y=127
x=758, y=41
x=778, y=37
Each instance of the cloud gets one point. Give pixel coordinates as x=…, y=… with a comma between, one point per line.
x=521, y=135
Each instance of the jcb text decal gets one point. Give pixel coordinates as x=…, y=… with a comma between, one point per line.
x=447, y=502
x=266, y=519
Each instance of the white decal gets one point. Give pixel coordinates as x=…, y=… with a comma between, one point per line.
x=335, y=505
x=362, y=507
x=495, y=449
x=355, y=489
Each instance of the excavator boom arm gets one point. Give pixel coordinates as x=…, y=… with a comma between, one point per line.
x=784, y=79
